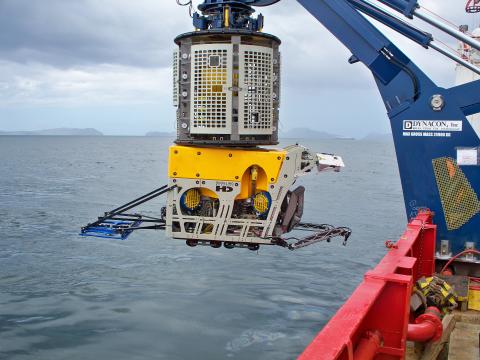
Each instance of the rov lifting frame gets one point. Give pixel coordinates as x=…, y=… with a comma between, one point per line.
x=118, y=224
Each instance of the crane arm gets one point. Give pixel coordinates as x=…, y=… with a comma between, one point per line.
x=429, y=123
x=369, y=46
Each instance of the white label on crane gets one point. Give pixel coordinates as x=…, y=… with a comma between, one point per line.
x=468, y=156
x=432, y=125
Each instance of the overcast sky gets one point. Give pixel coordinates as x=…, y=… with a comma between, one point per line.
x=107, y=64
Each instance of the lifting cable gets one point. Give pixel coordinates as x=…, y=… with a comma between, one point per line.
x=446, y=21
x=188, y=3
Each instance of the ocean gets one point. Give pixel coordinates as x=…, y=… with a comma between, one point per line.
x=63, y=296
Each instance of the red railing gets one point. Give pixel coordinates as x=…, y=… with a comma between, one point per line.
x=373, y=323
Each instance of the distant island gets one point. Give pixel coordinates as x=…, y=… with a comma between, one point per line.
x=306, y=133
x=295, y=133
x=160, y=134
x=56, y=132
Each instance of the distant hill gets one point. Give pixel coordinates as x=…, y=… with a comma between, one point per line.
x=378, y=137
x=306, y=133
x=56, y=132
x=160, y=134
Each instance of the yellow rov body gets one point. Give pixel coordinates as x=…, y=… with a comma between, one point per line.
x=236, y=196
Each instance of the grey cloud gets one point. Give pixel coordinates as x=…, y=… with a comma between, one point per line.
x=139, y=33
x=135, y=34
x=81, y=32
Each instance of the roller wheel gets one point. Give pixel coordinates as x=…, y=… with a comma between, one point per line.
x=192, y=243
x=229, y=245
x=215, y=244
x=253, y=247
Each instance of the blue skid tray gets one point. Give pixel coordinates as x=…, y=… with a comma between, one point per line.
x=111, y=229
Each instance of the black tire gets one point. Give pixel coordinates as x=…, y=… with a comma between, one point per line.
x=215, y=244
x=192, y=243
x=253, y=247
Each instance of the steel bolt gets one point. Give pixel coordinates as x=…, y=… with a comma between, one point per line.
x=437, y=102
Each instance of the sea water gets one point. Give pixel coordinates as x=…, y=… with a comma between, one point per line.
x=68, y=297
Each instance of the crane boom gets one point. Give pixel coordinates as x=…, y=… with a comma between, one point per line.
x=429, y=123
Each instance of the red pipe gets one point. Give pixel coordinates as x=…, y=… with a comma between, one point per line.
x=422, y=332
x=427, y=327
x=468, y=251
x=368, y=346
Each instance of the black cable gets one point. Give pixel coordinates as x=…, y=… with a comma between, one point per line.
x=130, y=205
x=416, y=84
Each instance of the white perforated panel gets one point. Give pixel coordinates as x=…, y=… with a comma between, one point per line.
x=256, y=84
x=176, y=77
x=211, y=105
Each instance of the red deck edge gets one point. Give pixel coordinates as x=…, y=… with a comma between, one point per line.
x=381, y=303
